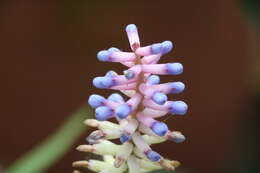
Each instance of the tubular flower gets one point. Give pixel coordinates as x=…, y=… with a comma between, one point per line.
x=137, y=127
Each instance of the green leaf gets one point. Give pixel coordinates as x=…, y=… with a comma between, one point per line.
x=40, y=158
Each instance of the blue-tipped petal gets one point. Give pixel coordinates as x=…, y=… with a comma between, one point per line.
x=102, y=113
x=96, y=100
x=178, y=107
x=174, y=68
x=115, y=97
x=124, y=138
x=94, y=137
x=131, y=28
x=159, y=98
x=156, y=48
x=123, y=111
x=129, y=74
x=153, y=156
x=114, y=49
x=103, y=55
x=178, y=137
x=166, y=46
x=153, y=80
x=97, y=82
x=111, y=73
x=108, y=82
x=159, y=128
x=177, y=87
x=103, y=82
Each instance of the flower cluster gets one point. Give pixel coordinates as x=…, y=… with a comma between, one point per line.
x=137, y=127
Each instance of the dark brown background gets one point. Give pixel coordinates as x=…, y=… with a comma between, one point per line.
x=48, y=59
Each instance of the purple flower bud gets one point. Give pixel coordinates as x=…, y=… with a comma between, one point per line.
x=163, y=69
x=96, y=100
x=156, y=48
x=133, y=37
x=159, y=128
x=153, y=156
x=123, y=111
x=178, y=107
x=131, y=28
x=115, y=55
x=174, y=68
x=103, y=113
x=166, y=46
x=103, y=55
x=153, y=80
x=177, y=137
x=159, y=98
x=125, y=137
x=115, y=97
x=129, y=74
x=111, y=73
x=103, y=82
x=177, y=87
x=94, y=137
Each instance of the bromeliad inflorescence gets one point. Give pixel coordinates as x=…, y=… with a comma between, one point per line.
x=137, y=126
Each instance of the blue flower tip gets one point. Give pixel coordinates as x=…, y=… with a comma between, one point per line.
x=159, y=128
x=179, y=138
x=167, y=46
x=124, y=138
x=156, y=48
x=179, y=108
x=96, y=100
x=103, y=55
x=97, y=82
x=102, y=113
x=111, y=73
x=159, y=98
x=115, y=97
x=103, y=82
x=153, y=79
x=123, y=111
x=129, y=74
x=174, y=68
x=153, y=156
x=131, y=28
x=177, y=87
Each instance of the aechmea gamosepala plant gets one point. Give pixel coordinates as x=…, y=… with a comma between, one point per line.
x=137, y=126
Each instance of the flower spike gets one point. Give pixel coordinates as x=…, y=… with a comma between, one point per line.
x=137, y=126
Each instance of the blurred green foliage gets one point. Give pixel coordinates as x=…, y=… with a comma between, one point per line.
x=247, y=159
x=252, y=9
x=43, y=156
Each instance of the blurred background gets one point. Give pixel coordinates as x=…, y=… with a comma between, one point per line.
x=48, y=59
